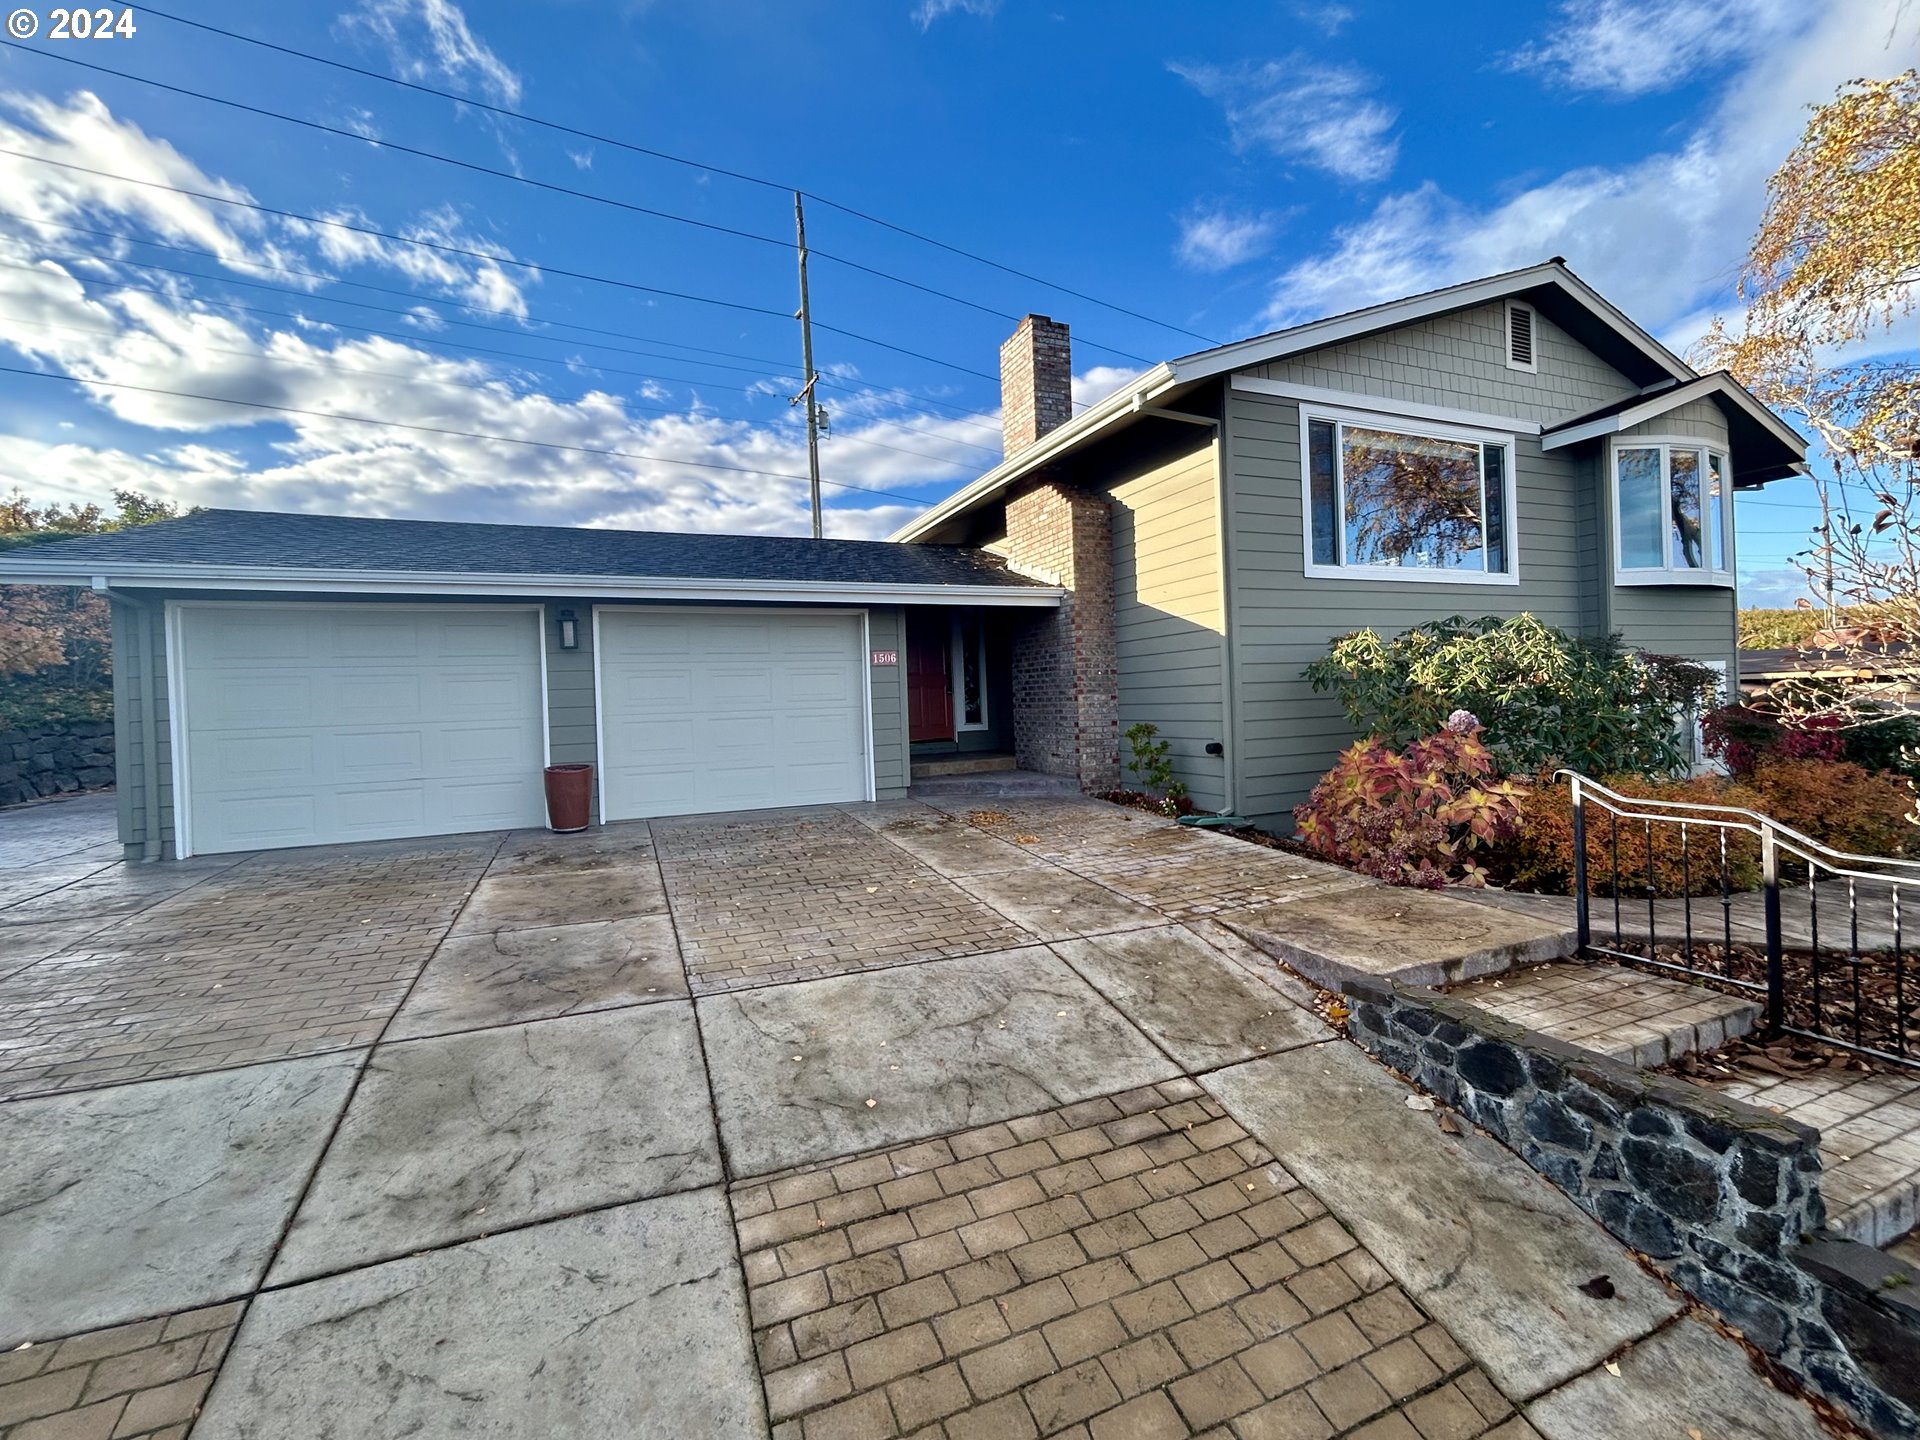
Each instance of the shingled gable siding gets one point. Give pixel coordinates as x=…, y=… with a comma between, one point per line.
x=1697, y=621
x=1168, y=623
x=1288, y=735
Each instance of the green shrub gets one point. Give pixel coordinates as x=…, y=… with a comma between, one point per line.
x=1779, y=629
x=1545, y=697
x=1418, y=817
x=26, y=705
x=1152, y=767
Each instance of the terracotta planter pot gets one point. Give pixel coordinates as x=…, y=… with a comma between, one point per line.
x=569, y=797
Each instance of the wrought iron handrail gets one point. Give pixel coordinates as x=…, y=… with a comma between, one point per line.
x=1806, y=844
x=1776, y=841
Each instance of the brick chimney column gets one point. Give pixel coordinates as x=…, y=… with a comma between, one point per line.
x=1036, y=382
x=1066, y=704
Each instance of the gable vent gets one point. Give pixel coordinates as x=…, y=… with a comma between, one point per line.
x=1520, y=337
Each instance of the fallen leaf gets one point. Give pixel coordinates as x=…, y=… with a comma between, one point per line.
x=1447, y=1123
x=873, y=889
x=1613, y=1367
x=1026, y=839
x=1600, y=1287
x=1419, y=1102
x=872, y=1103
x=1694, y=1432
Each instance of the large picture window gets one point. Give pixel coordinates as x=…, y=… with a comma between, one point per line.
x=1391, y=502
x=1674, y=503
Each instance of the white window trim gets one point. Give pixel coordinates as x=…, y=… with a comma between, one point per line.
x=1506, y=327
x=1402, y=574
x=1699, y=762
x=1666, y=573
x=956, y=676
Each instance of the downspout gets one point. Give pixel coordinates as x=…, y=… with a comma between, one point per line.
x=150, y=841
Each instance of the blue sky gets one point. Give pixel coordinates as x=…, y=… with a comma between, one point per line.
x=1250, y=166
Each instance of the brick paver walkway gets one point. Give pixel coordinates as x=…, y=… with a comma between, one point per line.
x=763, y=904
x=1126, y=1268
x=134, y=1382
x=280, y=955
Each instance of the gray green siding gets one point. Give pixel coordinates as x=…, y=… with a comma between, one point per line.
x=1169, y=630
x=1459, y=360
x=140, y=661
x=572, y=727
x=1279, y=619
x=887, y=630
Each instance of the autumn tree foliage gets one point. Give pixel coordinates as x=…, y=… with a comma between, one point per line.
x=56, y=639
x=1831, y=285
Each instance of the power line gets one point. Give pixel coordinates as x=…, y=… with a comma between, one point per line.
x=460, y=384
x=477, y=310
x=380, y=143
x=441, y=430
x=671, y=158
x=441, y=246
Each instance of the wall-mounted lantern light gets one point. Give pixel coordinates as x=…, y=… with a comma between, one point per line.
x=569, y=631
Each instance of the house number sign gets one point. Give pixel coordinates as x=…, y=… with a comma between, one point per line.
x=886, y=657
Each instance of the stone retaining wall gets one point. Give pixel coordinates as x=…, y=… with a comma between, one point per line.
x=1724, y=1197
x=55, y=760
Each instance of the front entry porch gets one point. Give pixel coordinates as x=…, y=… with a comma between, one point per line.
x=959, y=686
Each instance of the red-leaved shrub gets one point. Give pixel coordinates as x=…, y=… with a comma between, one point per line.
x=1414, y=817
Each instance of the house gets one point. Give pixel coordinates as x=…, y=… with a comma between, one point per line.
x=1173, y=554
x=1509, y=444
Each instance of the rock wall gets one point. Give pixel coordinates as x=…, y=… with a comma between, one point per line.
x=1722, y=1196
x=55, y=760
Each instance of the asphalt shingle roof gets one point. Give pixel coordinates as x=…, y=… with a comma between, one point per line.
x=338, y=542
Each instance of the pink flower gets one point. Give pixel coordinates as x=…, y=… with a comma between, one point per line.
x=1462, y=722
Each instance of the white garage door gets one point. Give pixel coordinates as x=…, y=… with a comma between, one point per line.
x=307, y=724
x=736, y=710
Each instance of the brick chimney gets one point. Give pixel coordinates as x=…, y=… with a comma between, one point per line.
x=1036, y=382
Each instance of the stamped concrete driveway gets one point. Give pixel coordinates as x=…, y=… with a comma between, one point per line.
x=848, y=1122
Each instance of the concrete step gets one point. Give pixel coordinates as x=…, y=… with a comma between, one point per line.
x=996, y=783
x=962, y=765
x=1379, y=932
x=1627, y=1015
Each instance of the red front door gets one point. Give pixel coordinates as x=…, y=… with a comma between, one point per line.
x=929, y=676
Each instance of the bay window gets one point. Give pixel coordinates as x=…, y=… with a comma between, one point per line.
x=1673, y=503
x=1387, y=500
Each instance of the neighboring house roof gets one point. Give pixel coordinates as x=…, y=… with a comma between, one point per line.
x=1578, y=308
x=1856, y=661
x=242, y=549
x=1751, y=424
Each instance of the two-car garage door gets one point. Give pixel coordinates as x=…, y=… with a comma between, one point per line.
x=304, y=724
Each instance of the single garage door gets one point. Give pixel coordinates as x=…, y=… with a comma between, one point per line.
x=729, y=710
x=307, y=724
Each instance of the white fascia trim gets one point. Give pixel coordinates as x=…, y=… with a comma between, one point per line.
x=1719, y=384
x=598, y=587
x=1379, y=405
x=1118, y=406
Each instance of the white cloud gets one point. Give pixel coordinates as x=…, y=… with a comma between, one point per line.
x=1099, y=381
x=1775, y=589
x=1638, y=47
x=483, y=282
x=928, y=11
x=1212, y=238
x=1328, y=18
x=431, y=40
x=1662, y=237
x=1302, y=109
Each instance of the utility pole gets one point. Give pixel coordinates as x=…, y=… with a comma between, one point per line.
x=809, y=378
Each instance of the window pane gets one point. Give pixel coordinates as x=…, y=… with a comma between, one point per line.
x=973, y=673
x=1411, y=501
x=1719, y=511
x=1325, y=507
x=1683, y=502
x=1640, y=521
x=1494, y=462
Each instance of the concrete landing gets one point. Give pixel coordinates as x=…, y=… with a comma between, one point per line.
x=1416, y=937
x=991, y=784
x=1635, y=1018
